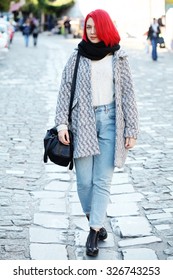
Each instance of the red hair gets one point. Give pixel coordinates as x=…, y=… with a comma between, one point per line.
x=105, y=28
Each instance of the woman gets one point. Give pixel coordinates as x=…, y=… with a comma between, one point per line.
x=104, y=117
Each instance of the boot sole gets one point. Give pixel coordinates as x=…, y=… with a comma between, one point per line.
x=92, y=254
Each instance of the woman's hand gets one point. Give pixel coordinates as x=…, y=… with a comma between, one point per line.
x=63, y=137
x=130, y=142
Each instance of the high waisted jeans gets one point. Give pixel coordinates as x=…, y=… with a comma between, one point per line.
x=94, y=173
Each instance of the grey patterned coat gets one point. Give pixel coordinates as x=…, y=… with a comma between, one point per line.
x=83, y=117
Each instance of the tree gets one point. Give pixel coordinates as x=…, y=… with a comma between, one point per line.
x=46, y=6
x=5, y=5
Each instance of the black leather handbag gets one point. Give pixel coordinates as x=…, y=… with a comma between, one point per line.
x=55, y=150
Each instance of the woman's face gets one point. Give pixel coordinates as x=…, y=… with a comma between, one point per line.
x=91, y=31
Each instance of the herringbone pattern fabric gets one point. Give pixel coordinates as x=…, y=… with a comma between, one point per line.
x=83, y=118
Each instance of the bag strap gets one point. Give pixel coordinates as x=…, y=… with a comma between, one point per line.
x=73, y=86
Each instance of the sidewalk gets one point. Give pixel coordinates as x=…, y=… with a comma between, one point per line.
x=41, y=215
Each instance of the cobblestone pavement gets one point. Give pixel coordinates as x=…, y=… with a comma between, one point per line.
x=40, y=214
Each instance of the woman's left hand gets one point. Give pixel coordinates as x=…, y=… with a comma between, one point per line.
x=130, y=142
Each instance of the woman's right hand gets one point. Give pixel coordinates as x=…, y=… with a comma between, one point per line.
x=63, y=136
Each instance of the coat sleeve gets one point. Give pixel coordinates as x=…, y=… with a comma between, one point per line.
x=63, y=99
x=129, y=105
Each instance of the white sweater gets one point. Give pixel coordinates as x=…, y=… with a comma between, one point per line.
x=102, y=81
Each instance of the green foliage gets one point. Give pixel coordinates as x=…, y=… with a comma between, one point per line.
x=59, y=3
x=48, y=6
x=35, y=6
x=5, y=5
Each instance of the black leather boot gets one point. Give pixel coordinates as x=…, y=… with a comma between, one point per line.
x=92, y=243
x=102, y=232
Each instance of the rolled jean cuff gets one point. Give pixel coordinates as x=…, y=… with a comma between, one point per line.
x=96, y=226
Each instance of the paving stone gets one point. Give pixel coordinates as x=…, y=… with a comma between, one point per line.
x=119, y=170
x=52, y=168
x=121, y=209
x=169, y=251
x=125, y=188
x=5, y=202
x=61, y=176
x=152, y=206
x=57, y=185
x=15, y=172
x=108, y=242
x=14, y=248
x=117, y=180
x=44, y=235
x=162, y=221
x=48, y=252
x=74, y=197
x=129, y=226
x=105, y=254
x=139, y=254
x=16, y=235
x=20, y=222
x=15, y=256
x=21, y=199
x=159, y=216
x=76, y=209
x=132, y=197
x=81, y=223
x=50, y=220
x=80, y=237
x=170, y=243
x=55, y=176
x=170, y=187
x=6, y=223
x=162, y=227
x=74, y=187
x=170, y=209
x=53, y=205
x=170, y=179
x=138, y=241
x=137, y=168
x=11, y=228
x=48, y=194
x=120, y=175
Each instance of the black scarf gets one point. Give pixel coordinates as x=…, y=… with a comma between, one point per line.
x=95, y=51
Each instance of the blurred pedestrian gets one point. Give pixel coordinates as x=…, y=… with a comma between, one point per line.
x=26, y=31
x=162, y=26
x=12, y=25
x=35, y=31
x=153, y=36
x=104, y=117
x=67, y=26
